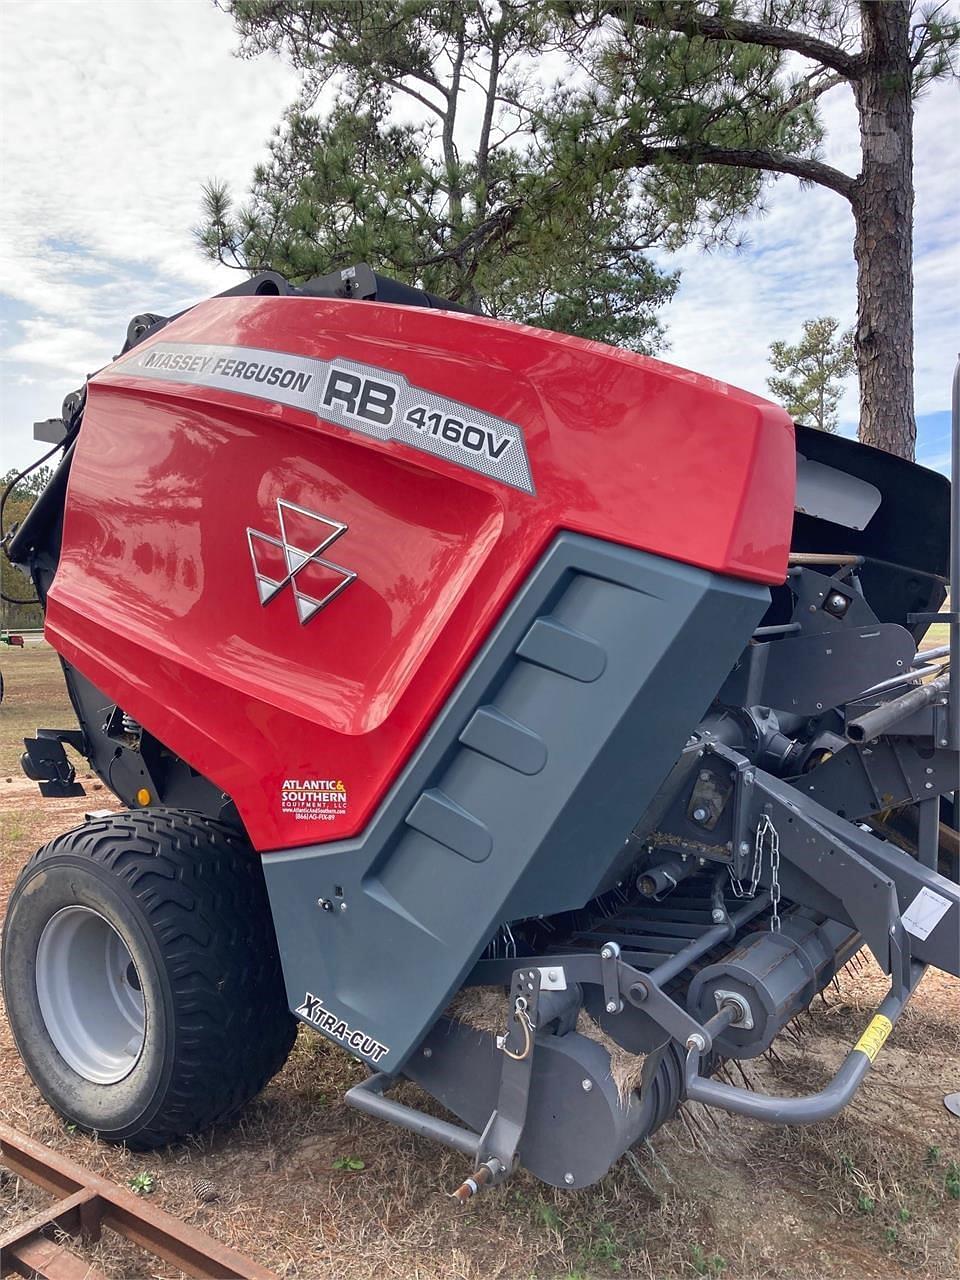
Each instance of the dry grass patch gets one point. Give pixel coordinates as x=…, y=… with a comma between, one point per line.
x=313, y=1189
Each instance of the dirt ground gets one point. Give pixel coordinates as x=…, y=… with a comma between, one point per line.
x=312, y=1189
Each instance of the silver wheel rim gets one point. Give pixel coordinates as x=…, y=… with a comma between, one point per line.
x=90, y=995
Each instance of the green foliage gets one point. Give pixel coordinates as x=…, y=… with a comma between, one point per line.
x=812, y=372
x=705, y=103
x=348, y=1164
x=935, y=39
x=437, y=163
x=603, y=1247
x=706, y=1264
x=530, y=155
x=952, y=1180
x=143, y=1184
x=548, y=1215
x=13, y=583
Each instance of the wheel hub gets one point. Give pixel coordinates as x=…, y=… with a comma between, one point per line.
x=90, y=995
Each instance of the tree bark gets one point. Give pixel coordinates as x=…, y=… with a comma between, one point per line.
x=882, y=200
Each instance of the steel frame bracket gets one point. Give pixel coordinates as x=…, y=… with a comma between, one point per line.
x=820, y=868
x=500, y=1140
x=744, y=777
x=858, y=781
x=56, y=776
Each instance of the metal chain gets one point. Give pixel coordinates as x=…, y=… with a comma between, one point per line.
x=766, y=833
x=736, y=884
x=774, y=873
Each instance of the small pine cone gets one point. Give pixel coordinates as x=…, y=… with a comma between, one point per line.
x=204, y=1190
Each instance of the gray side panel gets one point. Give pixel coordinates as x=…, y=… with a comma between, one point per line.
x=519, y=800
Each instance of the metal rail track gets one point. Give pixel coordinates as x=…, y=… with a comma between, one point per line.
x=86, y=1203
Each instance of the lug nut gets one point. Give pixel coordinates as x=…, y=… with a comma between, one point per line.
x=717, y=916
x=700, y=815
x=586, y=1085
x=611, y=1006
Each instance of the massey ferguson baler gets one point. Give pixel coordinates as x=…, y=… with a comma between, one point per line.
x=431, y=654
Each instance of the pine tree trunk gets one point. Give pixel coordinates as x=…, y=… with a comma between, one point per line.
x=883, y=246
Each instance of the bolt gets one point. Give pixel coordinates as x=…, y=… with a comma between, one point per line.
x=586, y=1085
x=611, y=1006
x=343, y=906
x=704, y=775
x=325, y=904
x=744, y=846
x=606, y=953
x=700, y=815
x=552, y=975
x=928, y=770
x=928, y=786
x=568, y=1179
x=717, y=915
x=428, y=1053
x=696, y=1041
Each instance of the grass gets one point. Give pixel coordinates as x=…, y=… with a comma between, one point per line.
x=311, y=1188
x=33, y=698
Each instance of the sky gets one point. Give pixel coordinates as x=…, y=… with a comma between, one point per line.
x=103, y=155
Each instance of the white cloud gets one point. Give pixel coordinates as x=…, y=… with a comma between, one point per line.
x=799, y=264
x=103, y=155
x=102, y=158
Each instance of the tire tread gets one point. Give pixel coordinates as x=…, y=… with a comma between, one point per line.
x=200, y=887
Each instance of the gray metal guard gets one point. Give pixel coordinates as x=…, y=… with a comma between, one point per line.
x=517, y=802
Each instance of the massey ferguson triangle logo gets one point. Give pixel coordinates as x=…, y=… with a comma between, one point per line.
x=296, y=557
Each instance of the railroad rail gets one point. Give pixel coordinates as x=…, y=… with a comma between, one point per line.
x=86, y=1204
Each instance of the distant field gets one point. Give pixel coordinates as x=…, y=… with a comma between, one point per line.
x=872, y=1195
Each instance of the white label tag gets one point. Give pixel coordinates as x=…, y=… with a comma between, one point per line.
x=924, y=913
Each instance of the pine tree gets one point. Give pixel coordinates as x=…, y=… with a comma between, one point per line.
x=813, y=371
x=684, y=92
x=429, y=166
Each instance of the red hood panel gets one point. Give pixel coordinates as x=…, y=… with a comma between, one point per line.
x=282, y=571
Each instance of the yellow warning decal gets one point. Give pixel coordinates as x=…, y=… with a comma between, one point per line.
x=875, y=1037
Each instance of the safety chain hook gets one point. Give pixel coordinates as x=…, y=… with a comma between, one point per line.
x=767, y=838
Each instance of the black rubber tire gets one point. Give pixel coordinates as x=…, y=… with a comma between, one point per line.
x=187, y=896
